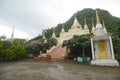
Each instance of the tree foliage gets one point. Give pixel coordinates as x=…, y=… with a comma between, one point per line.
x=112, y=24
x=12, y=49
x=35, y=46
x=78, y=46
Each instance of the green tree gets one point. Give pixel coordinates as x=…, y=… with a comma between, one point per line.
x=78, y=46
x=51, y=42
x=35, y=46
x=116, y=45
x=19, y=48
x=12, y=49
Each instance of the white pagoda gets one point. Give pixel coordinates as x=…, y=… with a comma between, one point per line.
x=102, y=47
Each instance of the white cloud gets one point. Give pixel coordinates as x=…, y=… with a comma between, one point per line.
x=32, y=16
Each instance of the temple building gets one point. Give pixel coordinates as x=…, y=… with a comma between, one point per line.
x=101, y=42
x=101, y=45
x=76, y=29
x=59, y=52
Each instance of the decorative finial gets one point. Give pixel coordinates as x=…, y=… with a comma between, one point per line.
x=12, y=35
x=97, y=18
x=93, y=28
x=75, y=19
x=53, y=35
x=104, y=29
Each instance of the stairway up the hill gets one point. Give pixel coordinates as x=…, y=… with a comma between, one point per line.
x=57, y=52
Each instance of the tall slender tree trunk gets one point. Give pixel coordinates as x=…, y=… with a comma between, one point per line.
x=83, y=52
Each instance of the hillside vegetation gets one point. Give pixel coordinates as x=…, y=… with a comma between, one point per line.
x=112, y=24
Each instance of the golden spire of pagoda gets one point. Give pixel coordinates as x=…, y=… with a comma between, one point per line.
x=97, y=18
x=93, y=28
x=104, y=28
x=85, y=24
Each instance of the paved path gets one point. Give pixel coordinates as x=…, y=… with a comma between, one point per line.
x=56, y=70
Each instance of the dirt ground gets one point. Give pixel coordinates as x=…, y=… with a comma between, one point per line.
x=56, y=70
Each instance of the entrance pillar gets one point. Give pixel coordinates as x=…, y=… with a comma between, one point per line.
x=93, y=54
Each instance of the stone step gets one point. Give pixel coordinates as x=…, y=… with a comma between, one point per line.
x=58, y=52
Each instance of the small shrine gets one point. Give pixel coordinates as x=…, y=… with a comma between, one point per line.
x=102, y=47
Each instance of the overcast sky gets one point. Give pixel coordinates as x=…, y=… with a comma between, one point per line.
x=30, y=17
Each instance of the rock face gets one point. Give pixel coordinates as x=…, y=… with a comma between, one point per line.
x=57, y=52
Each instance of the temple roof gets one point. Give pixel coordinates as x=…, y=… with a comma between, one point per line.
x=76, y=24
x=93, y=28
x=97, y=18
x=104, y=28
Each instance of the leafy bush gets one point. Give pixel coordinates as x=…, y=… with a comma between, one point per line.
x=35, y=46
x=78, y=46
x=12, y=49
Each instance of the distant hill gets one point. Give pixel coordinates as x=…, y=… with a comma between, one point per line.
x=112, y=23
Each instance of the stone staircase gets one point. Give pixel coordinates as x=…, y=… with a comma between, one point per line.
x=57, y=52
